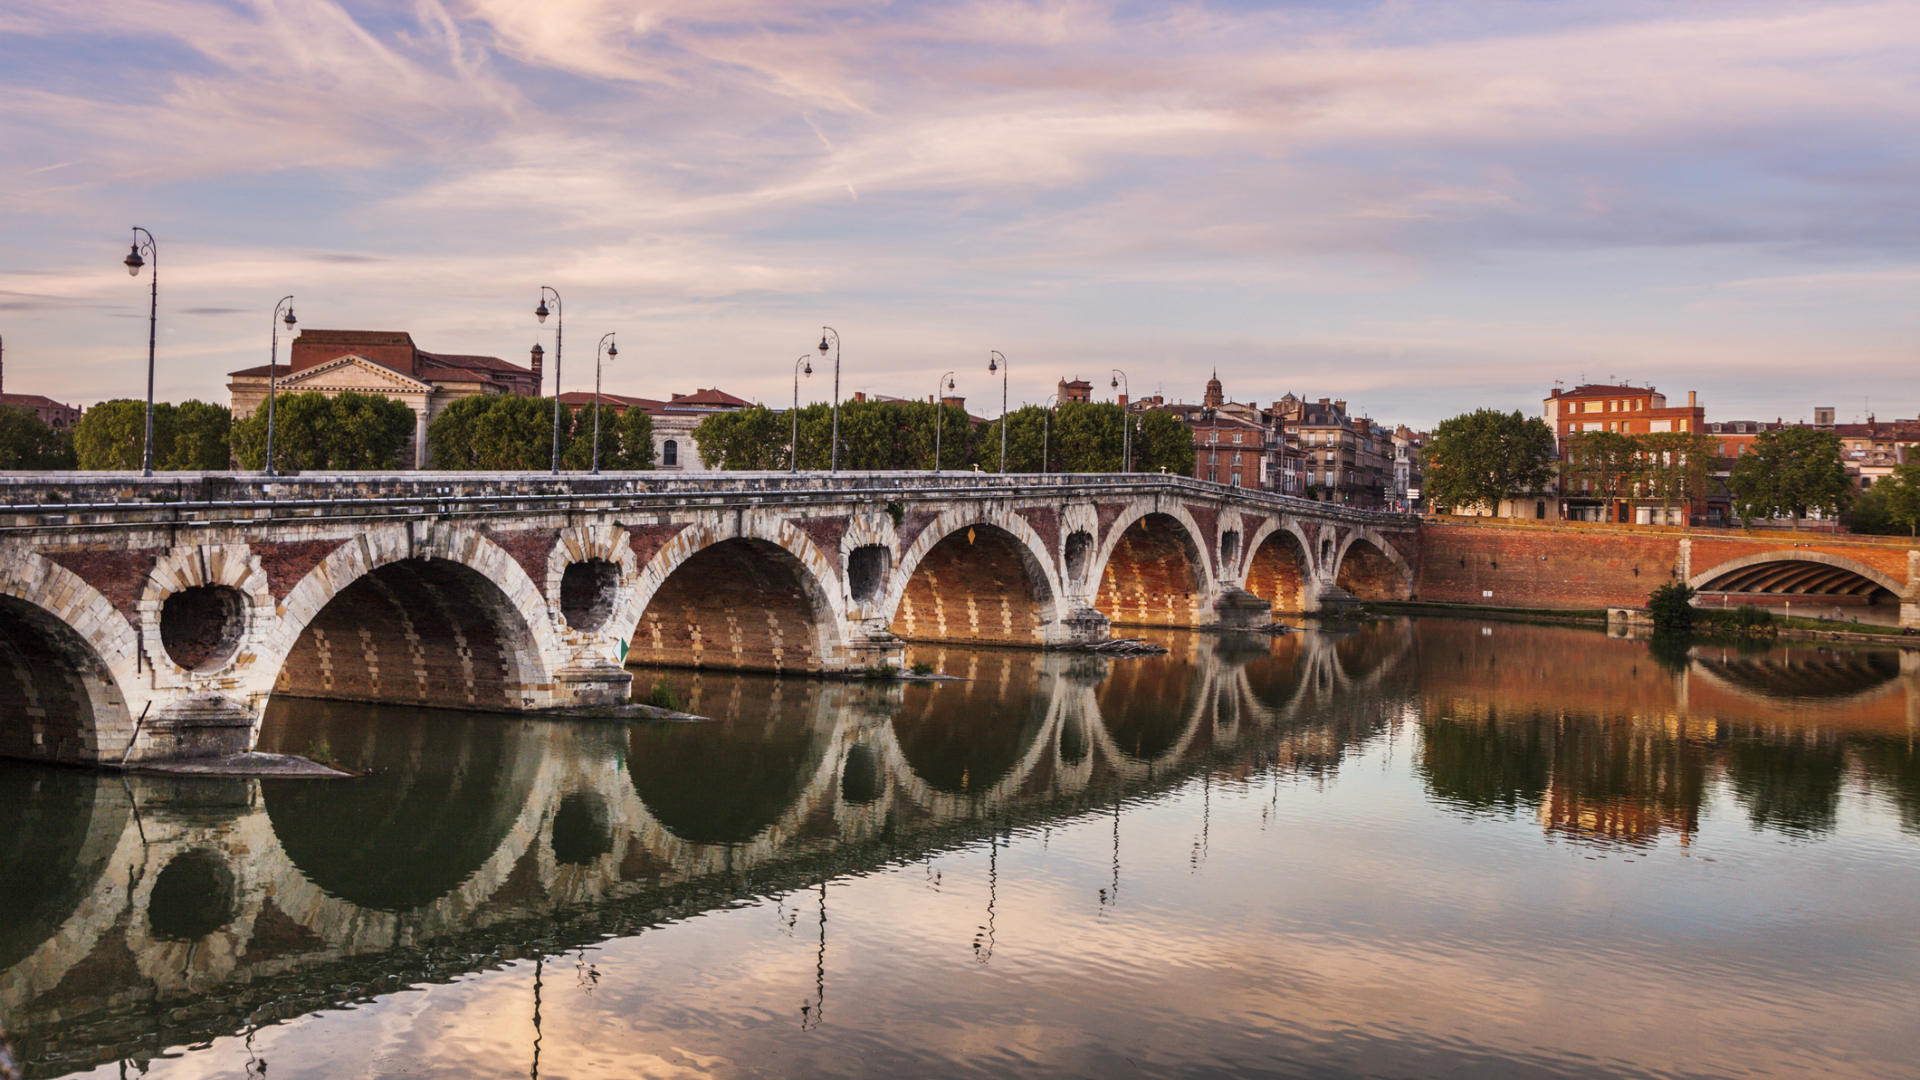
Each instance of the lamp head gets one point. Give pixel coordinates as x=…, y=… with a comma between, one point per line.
x=823, y=344
x=134, y=261
x=613, y=350
x=288, y=318
x=993, y=364
x=1114, y=382
x=540, y=313
x=809, y=368
x=950, y=384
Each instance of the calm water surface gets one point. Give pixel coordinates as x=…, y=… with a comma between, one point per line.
x=1438, y=848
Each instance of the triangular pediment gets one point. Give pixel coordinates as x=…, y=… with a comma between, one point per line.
x=354, y=372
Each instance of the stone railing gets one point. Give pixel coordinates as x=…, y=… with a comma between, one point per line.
x=43, y=501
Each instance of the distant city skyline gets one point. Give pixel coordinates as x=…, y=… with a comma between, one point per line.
x=1421, y=209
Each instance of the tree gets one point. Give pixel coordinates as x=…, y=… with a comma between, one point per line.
x=756, y=438
x=1677, y=464
x=634, y=429
x=26, y=442
x=1790, y=472
x=200, y=438
x=112, y=434
x=1607, y=463
x=348, y=431
x=1162, y=443
x=1086, y=437
x=1890, y=506
x=1029, y=431
x=1485, y=456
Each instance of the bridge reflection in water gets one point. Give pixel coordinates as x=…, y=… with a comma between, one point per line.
x=143, y=914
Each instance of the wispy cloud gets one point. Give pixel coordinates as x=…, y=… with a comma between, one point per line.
x=1466, y=194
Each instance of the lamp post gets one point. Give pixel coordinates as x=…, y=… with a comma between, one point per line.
x=1119, y=382
x=612, y=351
x=133, y=263
x=273, y=371
x=997, y=361
x=1046, y=430
x=559, y=324
x=801, y=366
x=834, y=465
x=940, y=415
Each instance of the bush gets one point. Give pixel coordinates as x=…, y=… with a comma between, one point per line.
x=662, y=696
x=921, y=667
x=1746, y=617
x=1672, y=606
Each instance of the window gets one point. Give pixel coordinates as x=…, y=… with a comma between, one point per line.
x=1236, y=436
x=1236, y=478
x=670, y=453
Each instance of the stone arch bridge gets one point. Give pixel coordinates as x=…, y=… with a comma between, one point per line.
x=145, y=619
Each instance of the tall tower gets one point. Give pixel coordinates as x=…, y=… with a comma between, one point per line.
x=1216, y=396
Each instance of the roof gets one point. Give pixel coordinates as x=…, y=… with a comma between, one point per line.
x=1590, y=389
x=356, y=337
x=573, y=398
x=484, y=363
x=32, y=401
x=714, y=397
x=263, y=371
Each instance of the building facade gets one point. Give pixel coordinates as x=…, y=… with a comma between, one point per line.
x=387, y=363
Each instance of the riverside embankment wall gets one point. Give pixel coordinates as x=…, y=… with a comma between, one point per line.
x=1570, y=565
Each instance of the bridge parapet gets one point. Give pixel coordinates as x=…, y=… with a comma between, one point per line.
x=189, y=600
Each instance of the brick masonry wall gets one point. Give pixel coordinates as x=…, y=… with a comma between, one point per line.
x=1542, y=567
x=974, y=590
x=1276, y=573
x=1370, y=575
x=44, y=709
x=738, y=605
x=1151, y=578
x=413, y=633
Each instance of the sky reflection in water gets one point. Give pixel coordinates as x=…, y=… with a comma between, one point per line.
x=1441, y=847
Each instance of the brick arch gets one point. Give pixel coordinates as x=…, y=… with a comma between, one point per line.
x=1152, y=573
x=1381, y=573
x=975, y=575
x=418, y=614
x=1279, y=563
x=745, y=593
x=201, y=566
x=65, y=653
x=587, y=543
x=1827, y=583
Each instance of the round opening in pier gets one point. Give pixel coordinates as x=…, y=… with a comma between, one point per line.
x=201, y=626
x=860, y=781
x=192, y=897
x=867, y=568
x=586, y=593
x=1079, y=550
x=580, y=830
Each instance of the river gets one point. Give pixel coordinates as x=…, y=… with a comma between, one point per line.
x=1434, y=847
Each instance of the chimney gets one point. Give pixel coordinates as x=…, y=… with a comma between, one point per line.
x=1340, y=405
x=538, y=355
x=1693, y=398
x=1123, y=403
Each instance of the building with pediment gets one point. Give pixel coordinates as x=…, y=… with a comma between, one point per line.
x=387, y=363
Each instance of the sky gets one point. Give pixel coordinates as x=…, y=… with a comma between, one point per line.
x=1420, y=208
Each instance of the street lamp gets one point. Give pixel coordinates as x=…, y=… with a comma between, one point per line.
x=1046, y=430
x=997, y=361
x=612, y=351
x=1118, y=382
x=834, y=466
x=559, y=324
x=940, y=415
x=134, y=262
x=803, y=365
x=273, y=370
